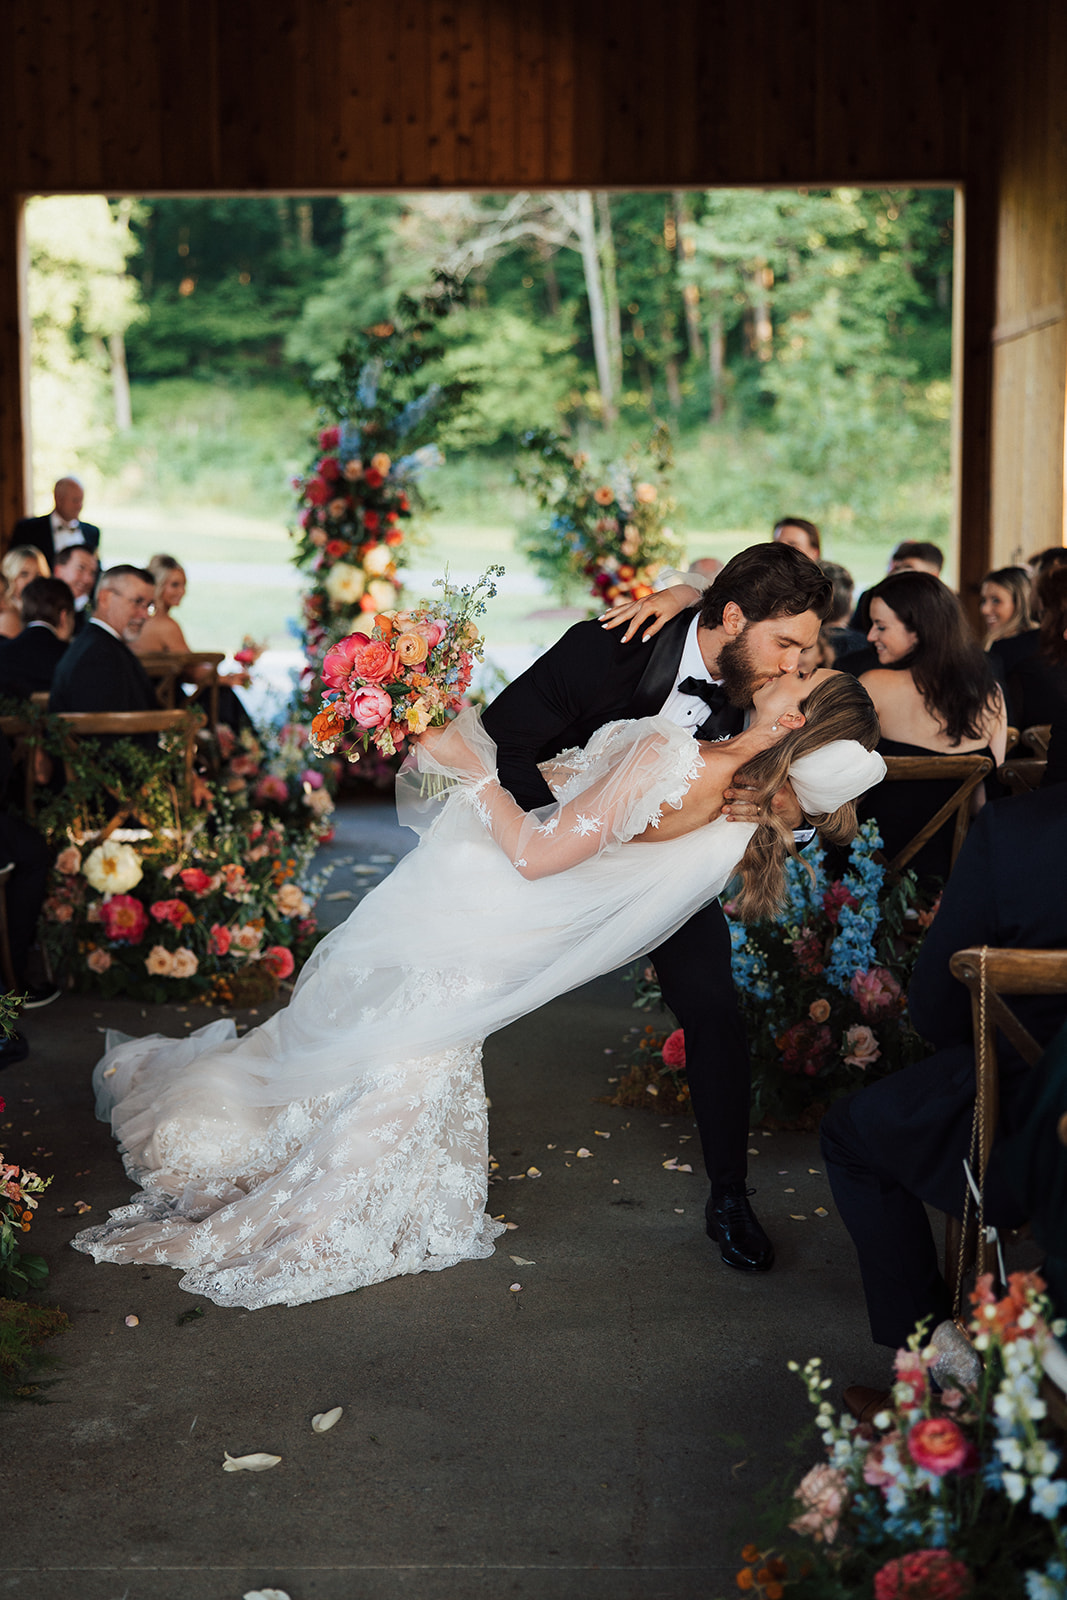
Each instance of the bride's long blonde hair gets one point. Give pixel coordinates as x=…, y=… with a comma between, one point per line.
x=837, y=708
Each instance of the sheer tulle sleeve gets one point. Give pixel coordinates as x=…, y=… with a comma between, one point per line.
x=605, y=794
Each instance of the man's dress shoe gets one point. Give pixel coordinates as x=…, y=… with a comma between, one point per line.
x=732, y=1222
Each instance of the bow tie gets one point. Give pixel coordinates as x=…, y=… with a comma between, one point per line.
x=712, y=694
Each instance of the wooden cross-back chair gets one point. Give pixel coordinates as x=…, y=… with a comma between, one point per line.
x=127, y=725
x=1038, y=738
x=990, y=974
x=170, y=670
x=969, y=770
x=1022, y=776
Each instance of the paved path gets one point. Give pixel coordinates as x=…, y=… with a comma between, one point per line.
x=600, y=1433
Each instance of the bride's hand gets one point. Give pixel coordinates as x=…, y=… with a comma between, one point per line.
x=450, y=750
x=655, y=610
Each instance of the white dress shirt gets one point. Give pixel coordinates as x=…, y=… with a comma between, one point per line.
x=688, y=710
x=65, y=534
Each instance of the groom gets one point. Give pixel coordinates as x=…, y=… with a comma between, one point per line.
x=701, y=670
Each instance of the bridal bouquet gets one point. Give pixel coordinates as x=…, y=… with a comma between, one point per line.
x=409, y=673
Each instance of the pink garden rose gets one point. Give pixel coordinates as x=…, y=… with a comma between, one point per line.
x=824, y=1495
x=98, y=960
x=271, y=787
x=124, y=918
x=196, y=880
x=219, y=939
x=69, y=861
x=176, y=912
x=310, y=779
x=246, y=937
x=939, y=1445
x=861, y=1046
x=278, y=960
x=370, y=707
x=159, y=962
x=875, y=991
x=329, y=438
x=923, y=1575
x=674, y=1050
x=338, y=663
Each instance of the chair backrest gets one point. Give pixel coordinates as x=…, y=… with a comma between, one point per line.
x=1022, y=776
x=22, y=755
x=968, y=770
x=168, y=669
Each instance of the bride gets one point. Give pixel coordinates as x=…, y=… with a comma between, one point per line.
x=344, y=1141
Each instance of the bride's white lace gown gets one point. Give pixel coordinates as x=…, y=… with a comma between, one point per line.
x=345, y=1140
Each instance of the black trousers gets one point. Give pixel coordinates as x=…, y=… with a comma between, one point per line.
x=890, y=1151
x=25, y=888
x=693, y=967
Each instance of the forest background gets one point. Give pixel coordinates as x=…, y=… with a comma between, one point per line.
x=798, y=343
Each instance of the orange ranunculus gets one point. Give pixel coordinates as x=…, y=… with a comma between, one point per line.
x=384, y=623
x=411, y=648
x=819, y=1010
x=603, y=496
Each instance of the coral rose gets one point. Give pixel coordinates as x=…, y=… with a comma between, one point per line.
x=98, y=961
x=603, y=496
x=278, y=960
x=124, y=918
x=375, y=662
x=370, y=707
x=219, y=939
x=69, y=861
x=819, y=1010
x=185, y=964
x=938, y=1445
x=196, y=880
x=674, y=1050
x=381, y=462
x=411, y=648
x=176, y=912
x=923, y=1575
x=823, y=1494
x=861, y=1047
x=353, y=471
x=159, y=962
x=875, y=991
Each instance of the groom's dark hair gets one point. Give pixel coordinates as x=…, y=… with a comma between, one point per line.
x=768, y=580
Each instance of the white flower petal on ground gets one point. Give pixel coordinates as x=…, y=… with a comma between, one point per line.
x=521, y=1261
x=323, y=1421
x=266, y=1594
x=582, y=1153
x=259, y=1461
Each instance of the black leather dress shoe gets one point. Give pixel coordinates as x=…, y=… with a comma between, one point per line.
x=732, y=1223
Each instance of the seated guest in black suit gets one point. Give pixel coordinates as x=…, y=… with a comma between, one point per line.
x=99, y=671
x=899, y=1145
x=28, y=663
x=78, y=567
x=935, y=695
x=62, y=526
x=24, y=848
x=1034, y=664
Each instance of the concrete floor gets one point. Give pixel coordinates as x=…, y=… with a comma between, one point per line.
x=600, y=1433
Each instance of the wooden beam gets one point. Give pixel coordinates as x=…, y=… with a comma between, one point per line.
x=16, y=479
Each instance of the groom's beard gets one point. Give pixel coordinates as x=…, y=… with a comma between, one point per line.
x=739, y=677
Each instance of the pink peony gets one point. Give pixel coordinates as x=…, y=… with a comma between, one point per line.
x=370, y=707
x=923, y=1575
x=310, y=779
x=338, y=664
x=823, y=1494
x=124, y=918
x=219, y=939
x=98, y=960
x=674, y=1050
x=278, y=960
x=196, y=880
x=861, y=1046
x=938, y=1445
x=875, y=991
x=69, y=861
x=270, y=787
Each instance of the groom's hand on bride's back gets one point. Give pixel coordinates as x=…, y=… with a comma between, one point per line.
x=740, y=805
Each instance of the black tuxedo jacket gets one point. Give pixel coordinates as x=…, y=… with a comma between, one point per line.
x=29, y=661
x=38, y=532
x=101, y=673
x=585, y=680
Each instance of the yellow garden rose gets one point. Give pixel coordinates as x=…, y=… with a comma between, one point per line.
x=345, y=584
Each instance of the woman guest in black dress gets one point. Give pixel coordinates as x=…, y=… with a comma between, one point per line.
x=1005, y=605
x=935, y=694
x=1034, y=664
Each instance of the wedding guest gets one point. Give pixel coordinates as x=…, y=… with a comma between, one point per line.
x=99, y=671
x=1005, y=604
x=78, y=567
x=24, y=895
x=162, y=634
x=1040, y=563
x=1034, y=664
x=801, y=534
x=706, y=567
x=911, y=555
x=935, y=694
x=28, y=663
x=842, y=639
x=20, y=566
x=898, y=1146
x=61, y=527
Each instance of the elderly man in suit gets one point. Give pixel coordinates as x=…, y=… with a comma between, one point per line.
x=700, y=670
x=61, y=527
x=99, y=671
x=29, y=661
x=899, y=1145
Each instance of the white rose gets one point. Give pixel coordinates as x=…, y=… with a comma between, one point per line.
x=381, y=592
x=344, y=584
x=185, y=963
x=378, y=560
x=113, y=868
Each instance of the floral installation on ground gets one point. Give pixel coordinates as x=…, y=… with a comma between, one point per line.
x=947, y=1495
x=411, y=671
x=608, y=526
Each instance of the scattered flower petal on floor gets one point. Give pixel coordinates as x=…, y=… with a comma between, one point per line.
x=533, y=1172
x=821, y=1211
x=521, y=1261
x=672, y=1164
x=132, y=1322
x=600, y=1135
x=82, y=1206
x=266, y=1594
x=515, y=1288
x=679, y=1211
x=797, y=1216
x=258, y=1461
x=582, y=1153
x=323, y=1421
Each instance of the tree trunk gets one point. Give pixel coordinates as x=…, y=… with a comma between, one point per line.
x=120, y=382
x=674, y=387
x=611, y=288
x=716, y=362
x=762, y=329
x=551, y=284
x=587, y=244
x=690, y=293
